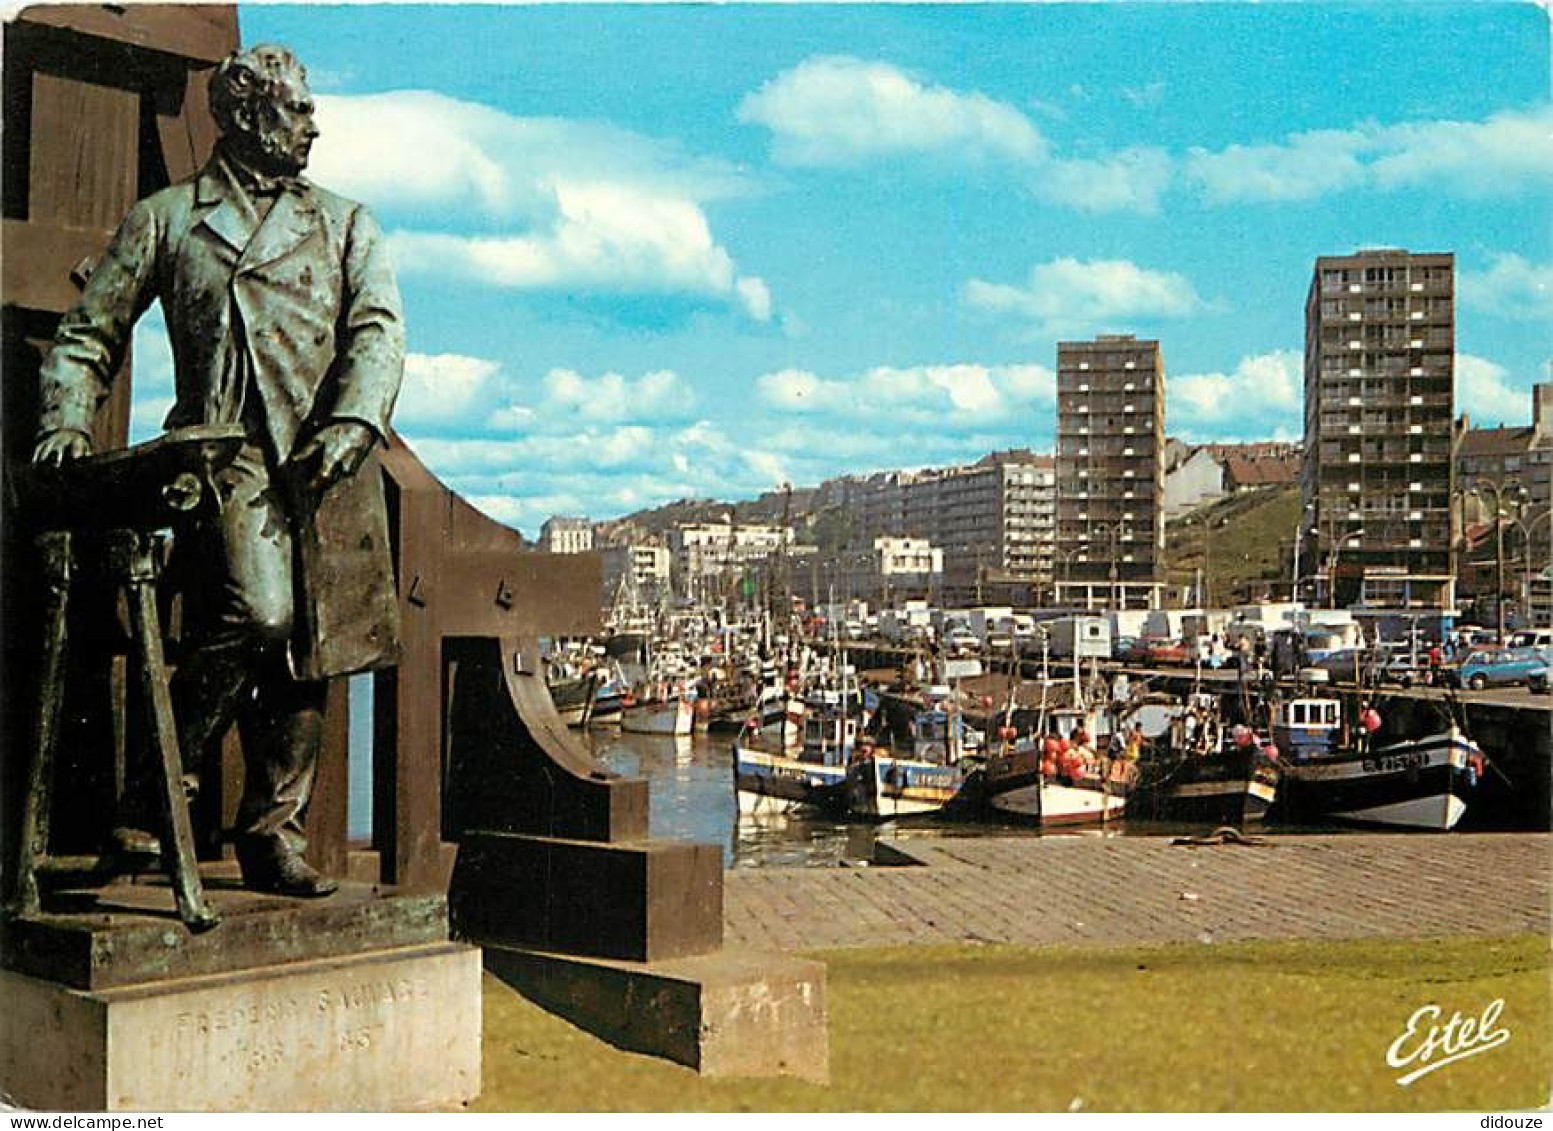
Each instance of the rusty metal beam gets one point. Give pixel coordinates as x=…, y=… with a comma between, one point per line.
x=205, y=32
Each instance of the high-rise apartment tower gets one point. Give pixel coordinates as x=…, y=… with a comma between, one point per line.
x=1110, y=472
x=1380, y=339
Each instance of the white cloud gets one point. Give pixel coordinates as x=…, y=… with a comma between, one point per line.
x=755, y=296
x=1261, y=398
x=841, y=111
x=1131, y=180
x=948, y=397
x=600, y=471
x=1484, y=392
x=1146, y=95
x=1512, y=287
x=607, y=237
x=837, y=110
x=1505, y=154
x=609, y=443
x=446, y=152
x=1509, y=152
x=441, y=388
x=1306, y=166
x=1068, y=296
x=473, y=194
x=654, y=397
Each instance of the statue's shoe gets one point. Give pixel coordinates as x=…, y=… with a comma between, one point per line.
x=132, y=844
x=287, y=875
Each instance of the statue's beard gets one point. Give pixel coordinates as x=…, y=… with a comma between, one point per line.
x=267, y=153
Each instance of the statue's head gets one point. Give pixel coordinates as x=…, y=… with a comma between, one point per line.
x=259, y=98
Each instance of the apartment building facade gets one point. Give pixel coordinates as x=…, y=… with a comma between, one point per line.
x=562, y=534
x=1511, y=468
x=704, y=551
x=1110, y=472
x=1377, y=476
x=641, y=569
x=993, y=520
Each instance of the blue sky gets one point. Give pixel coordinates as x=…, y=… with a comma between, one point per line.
x=650, y=251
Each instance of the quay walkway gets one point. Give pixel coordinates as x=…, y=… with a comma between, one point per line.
x=1144, y=890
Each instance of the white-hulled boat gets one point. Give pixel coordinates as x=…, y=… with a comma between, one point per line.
x=883, y=784
x=1074, y=787
x=674, y=714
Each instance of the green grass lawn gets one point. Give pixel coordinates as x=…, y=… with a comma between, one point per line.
x=1237, y=542
x=1240, y=1027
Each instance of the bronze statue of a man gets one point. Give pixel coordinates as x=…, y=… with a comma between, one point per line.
x=284, y=318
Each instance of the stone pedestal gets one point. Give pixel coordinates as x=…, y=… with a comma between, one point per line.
x=729, y=1013
x=356, y=1002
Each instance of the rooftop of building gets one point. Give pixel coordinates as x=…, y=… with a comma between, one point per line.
x=1265, y=471
x=1108, y=341
x=1256, y=450
x=1499, y=441
x=1380, y=254
x=1021, y=456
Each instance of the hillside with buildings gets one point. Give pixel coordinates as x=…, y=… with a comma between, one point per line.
x=1390, y=502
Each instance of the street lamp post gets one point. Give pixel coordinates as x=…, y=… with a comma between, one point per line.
x=1065, y=557
x=1114, y=532
x=1337, y=547
x=1203, y=583
x=1499, y=490
x=1527, y=566
x=1114, y=602
x=1299, y=531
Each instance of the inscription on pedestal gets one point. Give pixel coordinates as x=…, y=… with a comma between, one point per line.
x=391, y=1030
x=281, y=1033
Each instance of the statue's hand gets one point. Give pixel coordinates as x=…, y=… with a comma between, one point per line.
x=336, y=451
x=62, y=446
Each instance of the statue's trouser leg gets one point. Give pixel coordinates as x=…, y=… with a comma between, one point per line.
x=282, y=730
x=238, y=577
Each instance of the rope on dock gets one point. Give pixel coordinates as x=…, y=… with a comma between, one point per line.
x=1224, y=834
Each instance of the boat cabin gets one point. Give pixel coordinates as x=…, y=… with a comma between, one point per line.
x=1306, y=728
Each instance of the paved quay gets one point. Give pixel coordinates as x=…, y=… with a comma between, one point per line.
x=1092, y=889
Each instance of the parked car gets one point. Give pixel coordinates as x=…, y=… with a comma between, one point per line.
x=1171, y=652
x=1405, y=670
x=959, y=641
x=1501, y=667
x=1135, y=650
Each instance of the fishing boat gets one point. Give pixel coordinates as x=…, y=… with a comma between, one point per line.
x=883, y=784
x=1062, y=785
x=1205, y=772
x=572, y=696
x=1055, y=776
x=665, y=712
x=1330, y=774
x=609, y=700
x=1231, y=786
x=800, y=757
